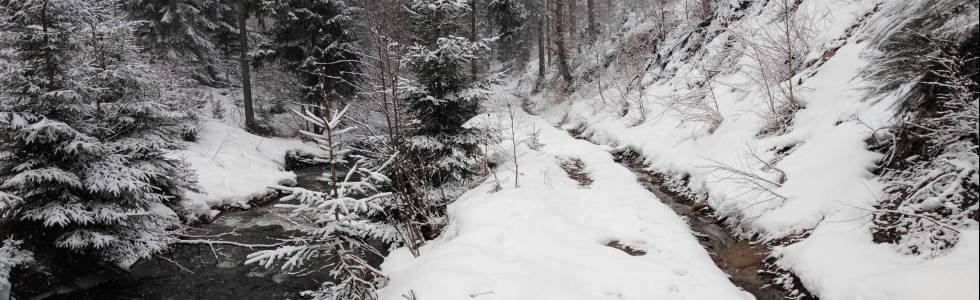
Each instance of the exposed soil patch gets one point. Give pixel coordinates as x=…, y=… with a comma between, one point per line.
x=625, y=248
x=575, y=168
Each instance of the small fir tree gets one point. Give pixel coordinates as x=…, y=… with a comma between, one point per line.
x=511, y=16
x=350, y=215
x=310, y=36
x=440, y=152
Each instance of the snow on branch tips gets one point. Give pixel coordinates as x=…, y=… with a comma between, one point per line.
x=347, y=218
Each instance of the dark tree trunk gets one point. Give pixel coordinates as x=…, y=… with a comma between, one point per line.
x=593, y=27
x=48, y=63
x=572, y=22
x=560, y=42
x=243, y=60
x=541, y=46
x=473, y=36
x=547, y=29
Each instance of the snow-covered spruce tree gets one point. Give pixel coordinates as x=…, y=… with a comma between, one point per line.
x=311, y=34
x=347, y=218
x=928, y=56
x=179, y=31
x=86, y=146
x=511, y=16
x=441, y=154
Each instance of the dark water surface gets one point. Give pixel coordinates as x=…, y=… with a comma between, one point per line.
x=218, y=271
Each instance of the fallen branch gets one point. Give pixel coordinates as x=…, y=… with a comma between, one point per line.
x=229, y=243
x=176, y=264
x=923, y=217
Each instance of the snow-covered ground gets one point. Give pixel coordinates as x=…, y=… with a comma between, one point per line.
x=548, y=238
x=233, y=165
x=839, y=261
x=821, y=162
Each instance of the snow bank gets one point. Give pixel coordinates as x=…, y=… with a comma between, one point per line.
x=233, y=165
x=838, y=263
x=547, y=239
x=820, y=162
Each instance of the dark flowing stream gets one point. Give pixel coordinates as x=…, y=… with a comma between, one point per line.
x=202, y=271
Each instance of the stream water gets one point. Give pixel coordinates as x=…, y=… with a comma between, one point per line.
x=204, y=271
x=740, y=259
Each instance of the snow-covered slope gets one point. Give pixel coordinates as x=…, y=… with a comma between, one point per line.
x=549, y=237
x=233, y=165
x=816, y=173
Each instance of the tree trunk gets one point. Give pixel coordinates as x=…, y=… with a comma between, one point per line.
x=663, y=20
x=572, y=23
x=787, y=18
x=541, y=47
x=48, y=64
x=560, y=42
x=593, y=27
x=328, y=131
x=473, y=36
x=547, y=28
x=243, y=60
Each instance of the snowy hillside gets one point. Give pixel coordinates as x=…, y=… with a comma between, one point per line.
x=808, y=184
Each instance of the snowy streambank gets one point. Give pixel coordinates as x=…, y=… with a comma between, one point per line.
x=233, y=165
x=550, y=237
x=877, y=272
x=813, y=176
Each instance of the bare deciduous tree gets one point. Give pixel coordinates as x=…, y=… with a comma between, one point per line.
x=774, y=50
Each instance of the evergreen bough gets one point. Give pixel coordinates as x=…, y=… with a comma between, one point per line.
x=315, y=36
x=443, y=96
x=87, y=152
